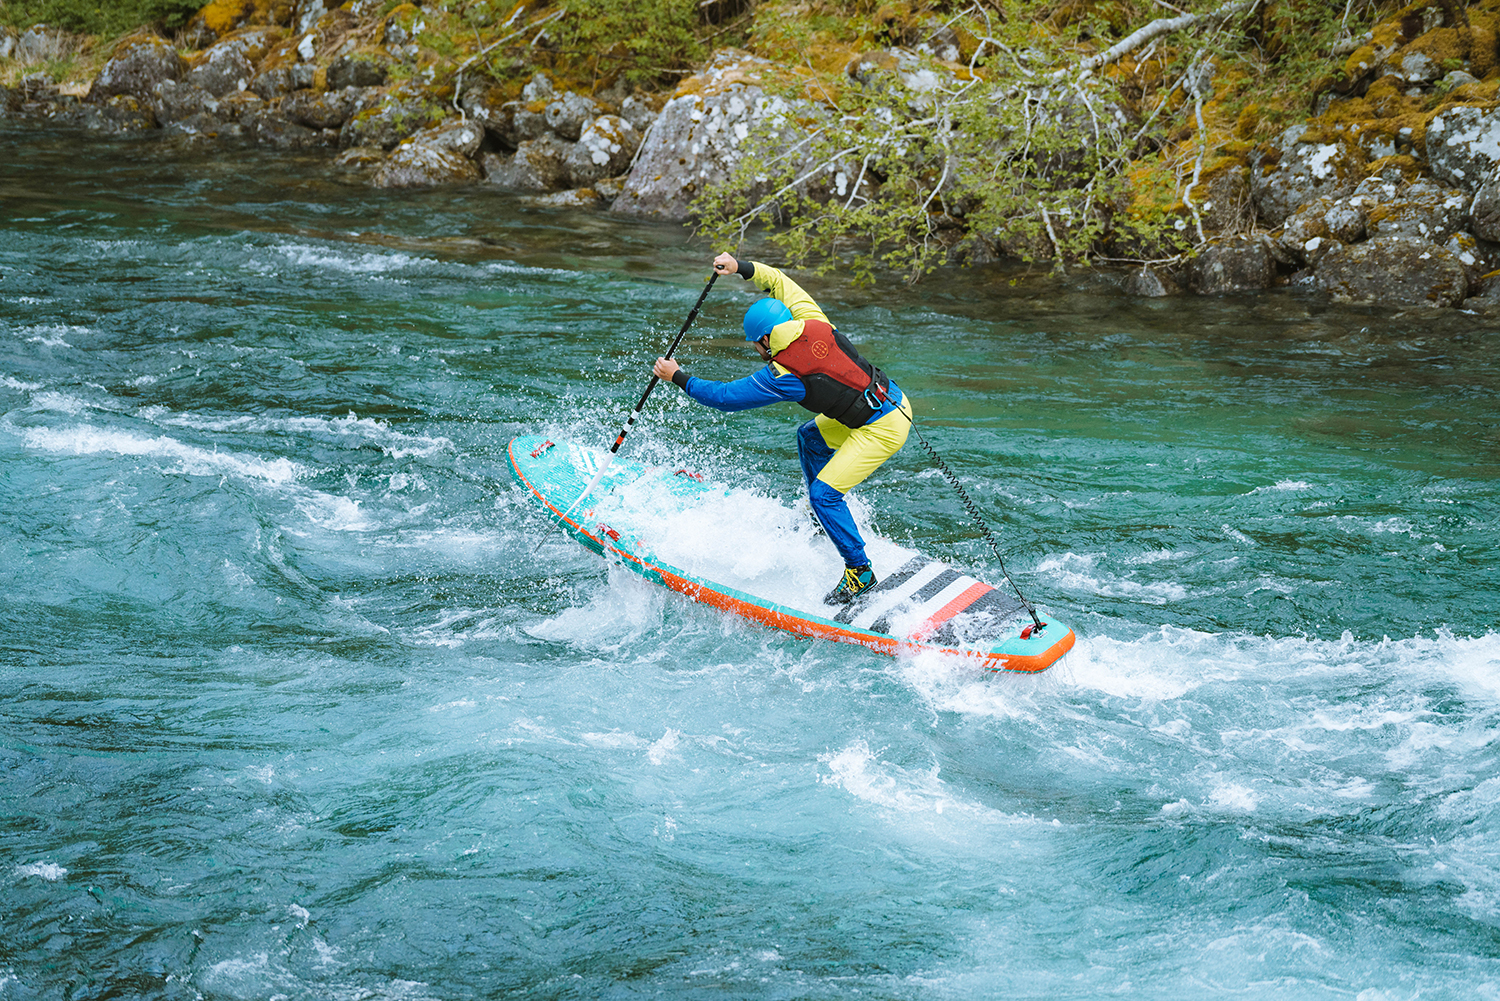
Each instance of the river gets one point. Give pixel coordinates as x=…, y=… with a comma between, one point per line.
x=300, y=699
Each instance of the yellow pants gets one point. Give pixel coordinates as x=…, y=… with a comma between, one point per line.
x=858, y=452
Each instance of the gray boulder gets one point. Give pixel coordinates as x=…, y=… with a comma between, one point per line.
x=224, y=69
x=695, y=141
x=137, y=66
x=270, y=129
x=1393, y=270
x=1422, y=211
x=241, y=106
x=7, y=43
x=1475, y=259
x=1420, y=68
x=201, y=125
x=1308, y=223
x=603, y=150
x=42, y=42
x=1485, y=293
x=415, y=164
x=308, y=12
x=570, y=114
x=510, y=122
x=1463, y=145
x=174, y=100
x=1300, y=172
x=455, y=135
x=356, y=71
x=486, y=104
x=229, y=65
x=538, y=88
x=1484, y=212
x=638, y=112
x=360, y=158
x=326, y=109
x=537, y=165
x=1149, y=283
x=283, y=80
x=120, y=115
x=400, y=114
x=1238, y=264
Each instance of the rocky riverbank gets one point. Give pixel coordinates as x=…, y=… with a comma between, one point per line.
x=1389, y=193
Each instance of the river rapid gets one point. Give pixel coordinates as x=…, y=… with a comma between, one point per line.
x=300, y=699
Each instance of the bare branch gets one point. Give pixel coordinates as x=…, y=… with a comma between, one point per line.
x=1161, y=26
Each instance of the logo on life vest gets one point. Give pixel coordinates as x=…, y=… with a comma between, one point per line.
x=819, y=349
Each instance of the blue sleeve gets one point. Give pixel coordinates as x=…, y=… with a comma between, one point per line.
x=757, y=390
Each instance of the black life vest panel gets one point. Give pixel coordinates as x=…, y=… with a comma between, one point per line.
x=837, y=379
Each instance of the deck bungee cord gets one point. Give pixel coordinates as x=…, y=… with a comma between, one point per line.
x=974, y=513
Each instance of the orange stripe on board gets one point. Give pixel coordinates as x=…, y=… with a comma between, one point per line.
x=818, y=630
x=958, y=604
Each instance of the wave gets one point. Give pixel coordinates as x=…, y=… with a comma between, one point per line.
x=189, y=459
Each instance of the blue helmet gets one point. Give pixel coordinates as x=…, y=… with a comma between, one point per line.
x=764, y=314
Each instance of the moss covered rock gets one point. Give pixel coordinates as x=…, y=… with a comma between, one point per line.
x=1396, y=270
x=1300, y=168
x=137, y=66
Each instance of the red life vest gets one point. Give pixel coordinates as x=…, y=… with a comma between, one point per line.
x=838, y=381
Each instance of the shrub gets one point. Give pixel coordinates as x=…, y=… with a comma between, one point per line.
x=97, y=17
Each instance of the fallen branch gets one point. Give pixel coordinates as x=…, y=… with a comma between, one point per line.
x=458, y=85
x=1155, y=29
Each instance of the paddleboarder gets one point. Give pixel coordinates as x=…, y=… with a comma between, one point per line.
x=808, y=361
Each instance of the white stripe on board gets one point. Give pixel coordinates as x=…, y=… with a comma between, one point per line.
x=922, y=612
x=888, y=600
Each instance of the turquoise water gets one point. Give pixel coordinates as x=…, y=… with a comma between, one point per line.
x=298, y=698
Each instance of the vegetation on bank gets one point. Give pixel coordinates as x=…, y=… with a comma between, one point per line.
x=1062, y=130
x=104, y=18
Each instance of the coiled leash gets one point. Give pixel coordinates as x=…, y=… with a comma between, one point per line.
x=875, y=396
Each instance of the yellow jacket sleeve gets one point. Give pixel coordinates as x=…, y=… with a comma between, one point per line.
x=801, y=304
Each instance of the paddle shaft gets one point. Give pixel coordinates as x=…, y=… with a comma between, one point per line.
x=630, y=421
x=670, y=351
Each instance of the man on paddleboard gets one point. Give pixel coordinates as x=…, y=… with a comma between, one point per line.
x=862, y=417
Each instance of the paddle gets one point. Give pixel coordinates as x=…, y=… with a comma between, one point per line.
x=630, y=422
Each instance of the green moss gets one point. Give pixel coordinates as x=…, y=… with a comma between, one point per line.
x=97, y=17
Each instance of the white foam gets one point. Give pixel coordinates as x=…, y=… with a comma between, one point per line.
x=457, y=627
x=336, y=259
x=60, y=403
x=614, y=616
x=12, y=383
x=363, y=430
x=614, y=740
x=52, y=335
x=1081, y=572
x=664, y=749
x=739, y=538
x=1171, y=661
x=86, y=439
x=1234, y=796
x=923, y=795
x=49, y=871
x=333, y=512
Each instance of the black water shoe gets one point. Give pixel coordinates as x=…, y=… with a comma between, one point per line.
x=856, y=581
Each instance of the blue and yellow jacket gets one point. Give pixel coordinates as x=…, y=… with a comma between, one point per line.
x=774, y=383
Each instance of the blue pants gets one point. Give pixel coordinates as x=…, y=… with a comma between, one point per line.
x=828, y=503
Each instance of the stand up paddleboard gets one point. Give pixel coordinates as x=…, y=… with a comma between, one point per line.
x=767, y=564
